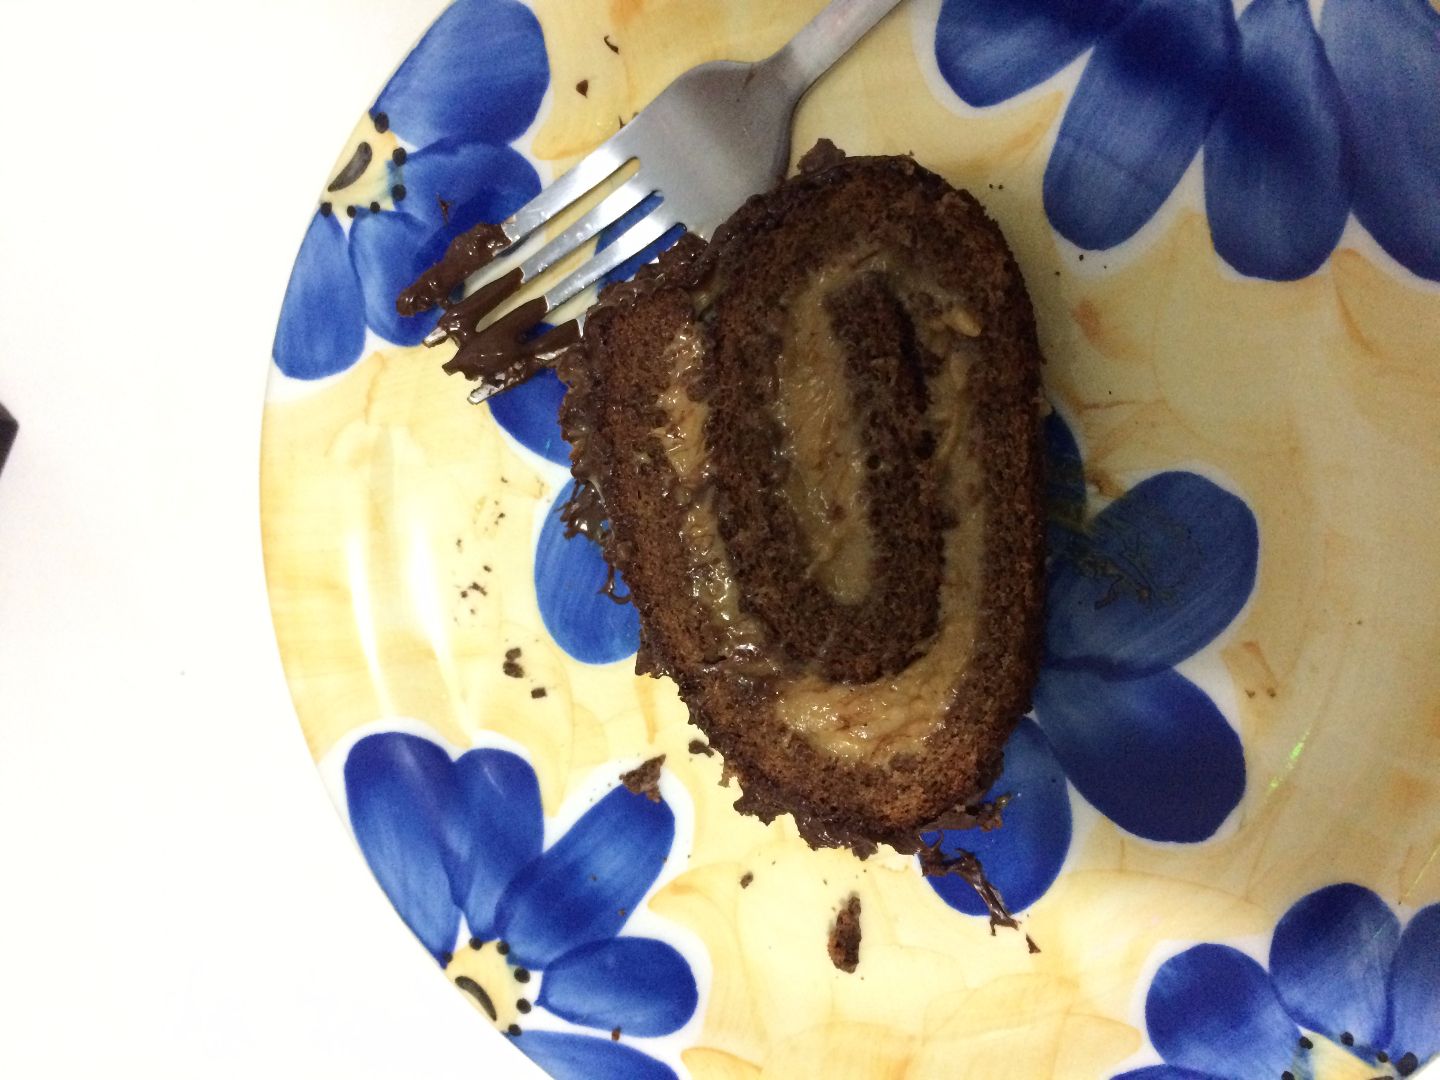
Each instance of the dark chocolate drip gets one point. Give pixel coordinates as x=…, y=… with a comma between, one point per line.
x=584, y=513
x=933, y=863
x=467, y=253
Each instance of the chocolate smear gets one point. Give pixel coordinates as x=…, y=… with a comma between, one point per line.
x=467, y=253
x=933, y=863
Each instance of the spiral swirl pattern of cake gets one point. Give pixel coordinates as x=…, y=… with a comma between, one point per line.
x=812, y=448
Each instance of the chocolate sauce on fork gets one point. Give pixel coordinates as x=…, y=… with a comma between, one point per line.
x=506, y=353
x=467, y=253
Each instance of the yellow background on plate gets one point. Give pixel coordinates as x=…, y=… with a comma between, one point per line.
x=385, y=497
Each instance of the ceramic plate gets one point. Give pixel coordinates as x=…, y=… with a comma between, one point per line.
x=1225, y=817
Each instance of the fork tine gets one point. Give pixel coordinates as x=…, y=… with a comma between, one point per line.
x=635, y=240
x=598, y=165
x=607, y=212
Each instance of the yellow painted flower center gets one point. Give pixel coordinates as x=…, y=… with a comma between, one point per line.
x=499, y=989
x=365, y=176
x=1332, y=1061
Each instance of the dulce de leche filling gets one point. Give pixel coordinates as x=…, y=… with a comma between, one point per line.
x=834, y=362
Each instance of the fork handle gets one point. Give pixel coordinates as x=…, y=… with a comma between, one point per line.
x=826, y=38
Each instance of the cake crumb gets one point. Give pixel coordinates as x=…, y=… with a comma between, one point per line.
x=511, y=667
x=644, y=779
x=538, y=693
x=845, y=936
x=697, y=746
x=611, y=45
x=614, y=1034
x=583, y=87
x=1030, y=944
x=745, y=879
x=823, y=155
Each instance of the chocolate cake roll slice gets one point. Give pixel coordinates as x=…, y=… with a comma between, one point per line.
x=812, y=448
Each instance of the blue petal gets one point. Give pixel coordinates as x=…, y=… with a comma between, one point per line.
x=581, y=1057
x=1023, y=857
x=1164, y=1072
x=1138, y=118
x=1153, y=754
x=570, y=576
x=479, y=73
x=474, y=182
x=1331, y=958
x=1415, y=989
x=1276, y=186
x=584, y=888
x=1165, y=570
x=322, y=322
x=627, y=269
x=1387, y=59
x=531, y=413
x=389, y=250
x=1212, y=1009
x=639, y=985
x=406, y=814
x=505, y=824
x=1064, y=490
x=990, y=50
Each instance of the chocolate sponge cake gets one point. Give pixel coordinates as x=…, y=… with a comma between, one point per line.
x=812, y=448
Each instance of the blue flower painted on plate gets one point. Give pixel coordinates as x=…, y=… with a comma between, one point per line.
x=431, y=160
x=531, y=933
x=1300, y=125
x=587, y=613
x=530, y=412
x=1144, y=584
x=1341, y=969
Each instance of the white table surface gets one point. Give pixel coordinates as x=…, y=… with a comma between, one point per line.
x=179, y=898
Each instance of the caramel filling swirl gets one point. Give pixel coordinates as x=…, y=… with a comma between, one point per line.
x=830, y=507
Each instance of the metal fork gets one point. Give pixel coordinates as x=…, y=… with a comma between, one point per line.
x=715, y=136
